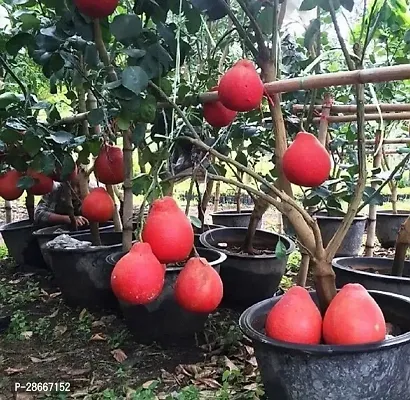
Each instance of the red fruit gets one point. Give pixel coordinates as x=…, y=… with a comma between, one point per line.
x=295, y=318
x=96, y=8
x=306, y=161
x=217, y=115
x=198, y=287
x=109, y=165
x=56, y=175
x=98, y=206
x=169, y=231
x=138, y=277
x=241, y=88
x=8, y=185
x=353, y=317
x=43, y=183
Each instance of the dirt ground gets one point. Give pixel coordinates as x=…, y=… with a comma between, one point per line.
x=44, y=341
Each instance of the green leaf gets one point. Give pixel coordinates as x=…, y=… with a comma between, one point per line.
x=126, y=26
x=241, y=158
x=135, y=79
x=194, y=21
x=311, y=34
x=25, y=182
x=266, y=20
x=68, y=167
x=62, y=137
x=17, y=42
x=141, y=184
x=32, y=144
x=138, y=134
x=123, y=123
x=280, y=249
x=309, y=5
x=195, y=221
x=8, y=98
x=347, y=4
x=96, y=116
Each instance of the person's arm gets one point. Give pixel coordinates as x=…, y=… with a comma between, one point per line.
x=43, y=215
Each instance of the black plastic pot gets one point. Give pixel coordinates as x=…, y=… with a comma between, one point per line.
x=21, y=244
x=324, y=372
x=248, y=278
x=83, y=275
x=197, y=232
x=372, y=273
x=232, y=218
x=44, y=235
x=352, y=243
x=163, y=320
x=388, y=225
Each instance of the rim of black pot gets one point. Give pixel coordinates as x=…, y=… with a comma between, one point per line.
x=400, y=213
x=321, y=349
x=44, y=230
x=202, y=238
x=324, y=216
x=335, y=263
x=222, y=257
x=232, y=212
x=16, y=225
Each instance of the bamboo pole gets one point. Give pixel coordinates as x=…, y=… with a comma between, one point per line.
x=217, y=196
x=371, y=228
x=351, y=108
x=7, y=209
x=394, y=116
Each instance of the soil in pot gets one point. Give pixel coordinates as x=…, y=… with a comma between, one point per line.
x=21, y=244
x=388, y=225
x=44, y=235
x=373, y=273
x=248, y=278
x=352, y=243
x=323, y=372
x=163, y=320
x=233, y=219
x=83, y=274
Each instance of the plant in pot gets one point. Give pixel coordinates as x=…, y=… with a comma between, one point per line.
x=290, y=370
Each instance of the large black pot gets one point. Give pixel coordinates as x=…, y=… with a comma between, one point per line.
x=232, y=218
x=323, y=372
x=373, y=273
x=197, y=232
x=44, y=235
x=248, y=278
x=164, y=320
x=83, y=275
x=21, y=244
x=388, y=225
x=352, y=243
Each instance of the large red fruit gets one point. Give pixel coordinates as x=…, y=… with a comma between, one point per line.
x=8, y=185
x=241, y=88
x=96, y=8
x=169, y=231
x=98, y=206
x=43, y=183
x=216, y=114
x=353, y=317
x=295, y=318
x=138, y=277
x=109, y=165
x=198, y=287
x=306, y=161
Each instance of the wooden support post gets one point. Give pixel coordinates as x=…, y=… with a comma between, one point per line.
x=7, y=209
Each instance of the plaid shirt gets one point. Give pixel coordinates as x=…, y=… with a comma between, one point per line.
x=54, y=202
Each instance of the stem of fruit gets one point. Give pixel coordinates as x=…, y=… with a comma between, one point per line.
x=127, y=145
x=402, y=244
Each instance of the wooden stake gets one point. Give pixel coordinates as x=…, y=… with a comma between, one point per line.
x=7, y=209
x=393, y=116
x=351, y=109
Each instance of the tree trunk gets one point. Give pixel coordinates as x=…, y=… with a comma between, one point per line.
x=402, y=244
x=30, y=207
x=69, y=199
x=371, y=227
x=7, y=209
x=303, y=270
x=324, y=278
x=203, y=203
x=128, y=195
x=116, y=216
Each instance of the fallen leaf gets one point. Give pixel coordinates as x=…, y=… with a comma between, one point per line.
x=59, y=330
x=44, y=293
x=98, y=324
x=54, y=314
x=79, y=372
x=24, y=396
x=54, y=295
x=149, y=384
x=42, y=360
x=251, y=387
x=15, y=281
x=253, y=361
x=98, y=337
x=13, y=371
x=212, y=383
x=230, y=365
x=119, y=355
x=83, y=313
x=26, y=334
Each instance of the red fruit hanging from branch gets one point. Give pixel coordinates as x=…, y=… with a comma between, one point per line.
x=109, y=165
x=216, y=114
x=169, y=231
x=306, y=161
x=43, y=184
x=98, y=206
x=353, y=317
x=96, y=8
x=295, y=318
x=241, y=88
x=198, y=287
x=138, y=277
x=8, y=185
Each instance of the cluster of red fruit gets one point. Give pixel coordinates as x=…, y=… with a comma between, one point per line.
x=353, y=317
x=167, y=238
